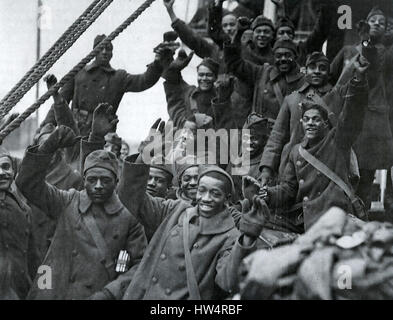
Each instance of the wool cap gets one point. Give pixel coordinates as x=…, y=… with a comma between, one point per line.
x=184, y=164
x=285, y=43
x=210, y=63
x=102, y=159
x=262, y=21
x=159, y=162
x=98, y=39
x=316, y=56
x=375, y=11
x=205, y=169
x=258, y=123
x=285, y=22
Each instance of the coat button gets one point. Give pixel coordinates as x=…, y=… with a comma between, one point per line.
x=305, y=199
x=319, y=193
x=298, y=163
x=163, y=256
x=74, y=253
x=196, y=245
x=301, y=181
x=174, y=233
x=154, y=279
x=265, y=91
x=168, y=291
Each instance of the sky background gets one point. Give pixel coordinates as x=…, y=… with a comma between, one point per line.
x=132, y=51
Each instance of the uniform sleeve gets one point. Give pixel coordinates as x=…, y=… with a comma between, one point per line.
x=136, y=245
x=278, y=138
x=350, y=122
x=284, y=194
x=229, y=260
x=31, y=182
x=176, y=103
x=243, y=69
x=200, y=46
x=336, y=67
x=149, y=211
x=144, y=81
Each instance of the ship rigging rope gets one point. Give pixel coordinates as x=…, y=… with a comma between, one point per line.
x=71, y=74
x=66, y=40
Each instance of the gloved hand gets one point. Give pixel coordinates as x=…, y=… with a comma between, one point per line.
x=154, y=139
x=224, y=87
x=62, y=137
x=250, y=187
x=266, y=176
x=253, y=221
x=104, y=121
x=243, y=24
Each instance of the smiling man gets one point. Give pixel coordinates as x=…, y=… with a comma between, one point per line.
x=271, y=83
x=93, y=226
x=17, y=252
x=203, y=249
x=374, y=147
x=305, y=193
x=287, y=130
x=99, y=82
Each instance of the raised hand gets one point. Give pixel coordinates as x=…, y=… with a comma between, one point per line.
x=62, y=137
x=243, y=24
x=104, y=120
x=181, y=61
x=50, y=80
x=154, y=139
x=253, y=221
x=224, y=87
x=169, y=4
x=250, y=187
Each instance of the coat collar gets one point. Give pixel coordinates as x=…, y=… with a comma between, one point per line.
x=94, y=66
x=291, y=77
x=321, y=91
x=219, y=223
x=111, y=207
x=15, y=196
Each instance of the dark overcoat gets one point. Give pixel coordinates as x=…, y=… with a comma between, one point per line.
x=78, y=266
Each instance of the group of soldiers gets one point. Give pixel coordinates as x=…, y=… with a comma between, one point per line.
x=168, y=225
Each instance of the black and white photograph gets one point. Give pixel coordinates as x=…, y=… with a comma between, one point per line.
x=218, y=151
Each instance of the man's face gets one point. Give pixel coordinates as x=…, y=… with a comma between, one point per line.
x=262, y=37
x=254, y=143
x=285, y=33
x=211, y=196
x=377, y=25
x=6, y=173
x=112, y=148
x=284, y=59
x=389, y=28
x=158, y=183
x=229, y=25
x=100, y=184
x=313, y=125
x=105, y=55
x=206, y=78
x=189, y=182
x=317, y=74
x=124, y=151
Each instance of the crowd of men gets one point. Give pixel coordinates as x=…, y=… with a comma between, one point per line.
x=165, y=223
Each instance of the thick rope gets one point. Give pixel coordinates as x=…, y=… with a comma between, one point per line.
x=58, y=42
x=52, y=56
x=71, y=74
